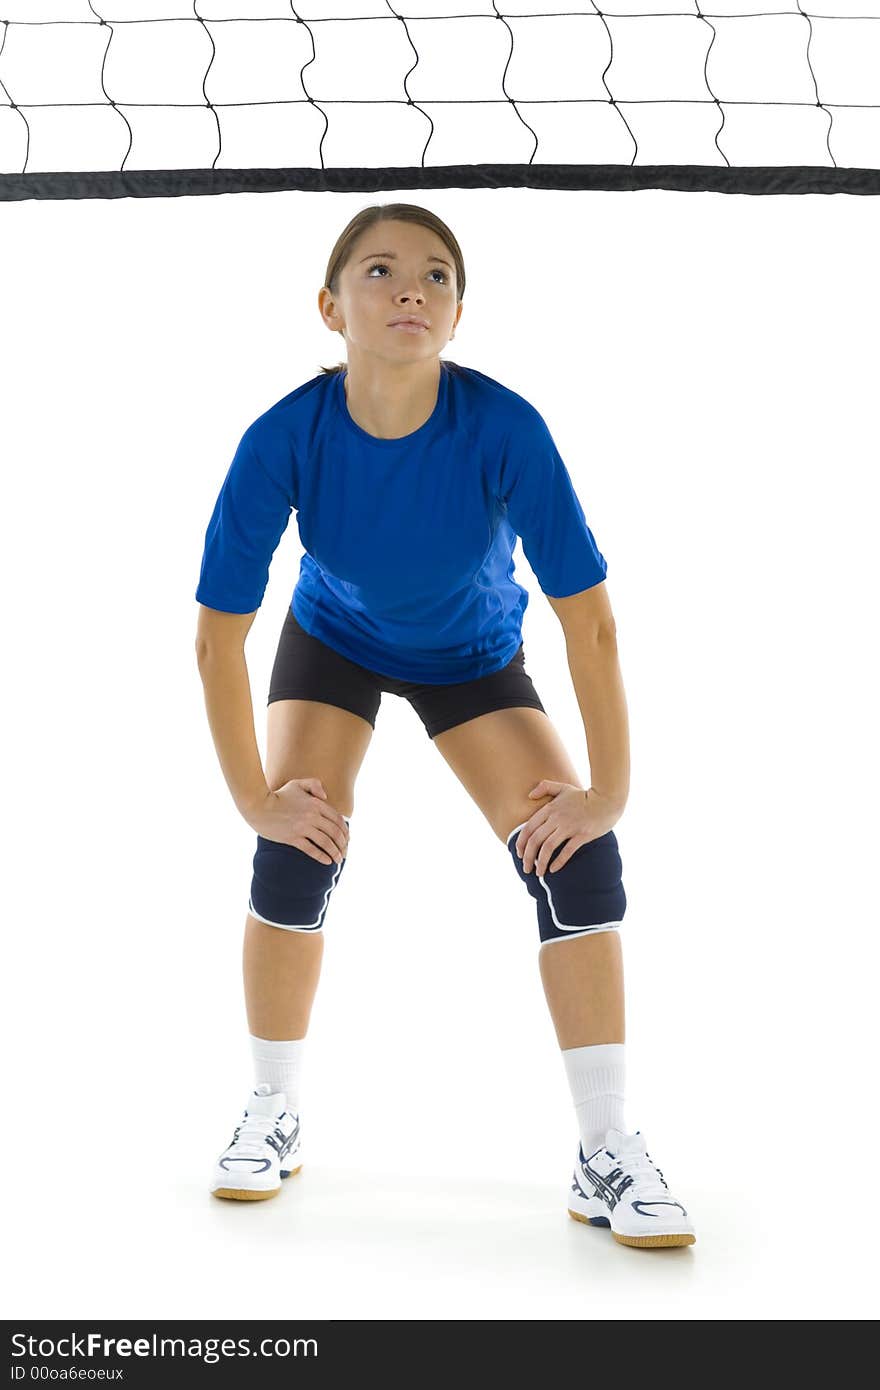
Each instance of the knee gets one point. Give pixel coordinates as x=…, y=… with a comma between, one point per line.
x=586, y=895
x=522, y=813
x=289, y=888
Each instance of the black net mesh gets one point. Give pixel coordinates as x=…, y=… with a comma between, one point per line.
x=169, y=97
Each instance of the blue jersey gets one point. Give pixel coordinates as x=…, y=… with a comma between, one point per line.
x=408, y=564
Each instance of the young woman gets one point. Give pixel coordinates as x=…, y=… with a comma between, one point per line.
x=412, y=477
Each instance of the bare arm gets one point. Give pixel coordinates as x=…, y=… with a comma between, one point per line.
x=591, y=645
x=222, y=666
x=598, y=685
x=298, y=813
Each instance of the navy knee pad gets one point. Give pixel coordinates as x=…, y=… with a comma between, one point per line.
x=289, y=888
x=586, y=895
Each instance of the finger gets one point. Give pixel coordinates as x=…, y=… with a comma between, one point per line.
x=308, y=848
x=562, y=859
x=533, y=847
x=326, y=842
x=337, y=821
x=335, y=842
x=551, y=843
x=532, y=824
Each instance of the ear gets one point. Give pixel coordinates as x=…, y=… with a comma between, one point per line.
x=328, y=311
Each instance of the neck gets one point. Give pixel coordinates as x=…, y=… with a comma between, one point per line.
x=391, y=400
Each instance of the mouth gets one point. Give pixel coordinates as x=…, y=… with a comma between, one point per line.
x=410, y=325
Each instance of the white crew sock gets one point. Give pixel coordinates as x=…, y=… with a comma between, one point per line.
x=596, y=1077
x=280, y=1063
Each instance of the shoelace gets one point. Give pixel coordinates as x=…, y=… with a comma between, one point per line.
x=255, y=1131
x=641, y=1177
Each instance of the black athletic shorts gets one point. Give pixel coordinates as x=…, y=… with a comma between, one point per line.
x=307, y=669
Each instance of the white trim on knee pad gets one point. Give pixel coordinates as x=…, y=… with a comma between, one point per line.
x=579, y=931
x=569, y=930
x=285, y=926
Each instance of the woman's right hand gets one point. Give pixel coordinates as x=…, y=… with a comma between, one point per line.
x=299, y=814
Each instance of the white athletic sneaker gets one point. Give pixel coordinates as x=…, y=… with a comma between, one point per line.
x=619, y=1186
x=265, y=1148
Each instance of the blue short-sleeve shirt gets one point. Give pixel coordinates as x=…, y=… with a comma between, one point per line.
x=408, y=566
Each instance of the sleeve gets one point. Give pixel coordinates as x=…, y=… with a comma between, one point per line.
x=544, y=511
x=249, y=519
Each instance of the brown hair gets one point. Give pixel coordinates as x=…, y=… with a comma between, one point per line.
x=389, y=212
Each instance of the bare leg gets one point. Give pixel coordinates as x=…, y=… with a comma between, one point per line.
x=305, y=738
x=497, y=757
x=583, y=986
x=281, y=972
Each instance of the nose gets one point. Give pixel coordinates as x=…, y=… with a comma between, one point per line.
x=406, y=295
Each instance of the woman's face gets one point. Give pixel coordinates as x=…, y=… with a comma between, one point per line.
x=395, y=269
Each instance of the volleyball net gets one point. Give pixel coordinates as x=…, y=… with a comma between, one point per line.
x=120, y=98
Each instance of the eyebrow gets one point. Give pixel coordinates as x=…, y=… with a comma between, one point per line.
x=392, y=256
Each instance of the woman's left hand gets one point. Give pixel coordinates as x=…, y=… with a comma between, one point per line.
x=574, y=814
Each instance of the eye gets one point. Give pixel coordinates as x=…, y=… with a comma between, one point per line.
x=382, y=265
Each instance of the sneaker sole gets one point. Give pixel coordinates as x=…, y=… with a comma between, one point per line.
x=251, y=1194
x=646, y=1242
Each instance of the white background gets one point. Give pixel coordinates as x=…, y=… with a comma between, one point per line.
x=707, y=366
